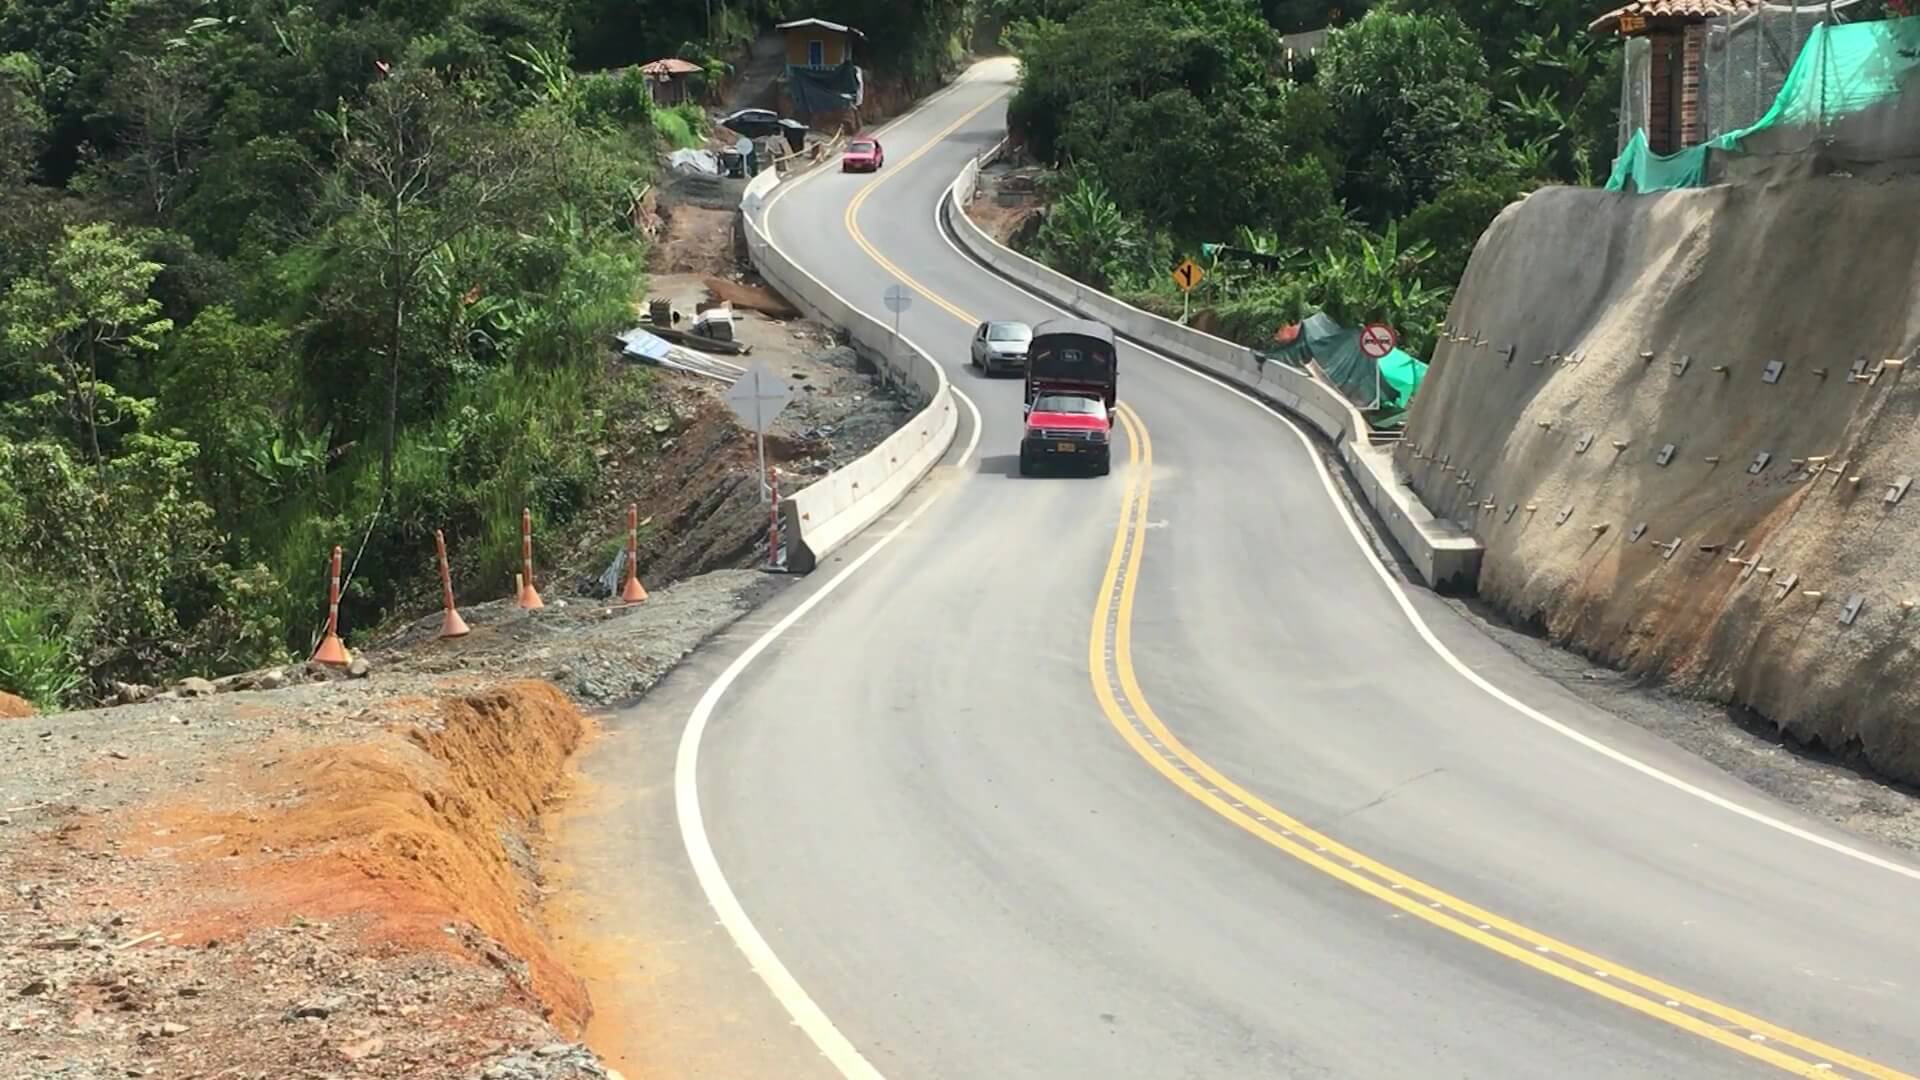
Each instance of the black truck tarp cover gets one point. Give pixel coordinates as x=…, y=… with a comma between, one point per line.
x=1073, y=354
x=828, y=91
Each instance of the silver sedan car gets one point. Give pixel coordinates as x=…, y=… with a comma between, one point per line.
x=1001, y=346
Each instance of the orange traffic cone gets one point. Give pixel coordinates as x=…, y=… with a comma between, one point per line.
x=451, y=624
x=632, y=592
x=529, y=596
x=332, y=650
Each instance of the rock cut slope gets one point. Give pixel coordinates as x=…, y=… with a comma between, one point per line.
x=1618, y=366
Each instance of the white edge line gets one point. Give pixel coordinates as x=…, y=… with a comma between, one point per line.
x=836, y=1047
x=1420, y=623
x=806, y=1014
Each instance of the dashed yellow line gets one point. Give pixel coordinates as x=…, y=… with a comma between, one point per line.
x=1117, y=689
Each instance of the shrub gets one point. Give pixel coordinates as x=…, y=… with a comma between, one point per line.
x=36, y=655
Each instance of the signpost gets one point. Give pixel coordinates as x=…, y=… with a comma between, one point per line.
x=1376, y=341
x=756, y=398
x=898, y=298
x=1187, y=275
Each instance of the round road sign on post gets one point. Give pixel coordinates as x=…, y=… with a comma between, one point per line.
x=1377, y=340
x=898, y=298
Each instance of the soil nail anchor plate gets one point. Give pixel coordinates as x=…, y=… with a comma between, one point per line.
x=1639, y=531
x=1665, y=455
x=1760, y=461
x=1772, y=372
x=1852, y=609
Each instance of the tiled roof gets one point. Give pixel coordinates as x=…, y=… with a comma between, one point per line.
x=671, y=65
x=1685, y=10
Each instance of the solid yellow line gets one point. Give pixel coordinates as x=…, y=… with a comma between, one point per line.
x=859, y=200
x=1133, y=524
x=1339, y=861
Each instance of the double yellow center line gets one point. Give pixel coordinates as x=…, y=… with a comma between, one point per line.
x=1117, y=690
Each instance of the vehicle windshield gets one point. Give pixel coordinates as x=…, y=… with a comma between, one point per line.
x=1008, y=332
x=862, y=148
x=1069, y=403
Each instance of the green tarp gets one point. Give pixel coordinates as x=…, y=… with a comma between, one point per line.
x=1843, y=73
x=1383, y=391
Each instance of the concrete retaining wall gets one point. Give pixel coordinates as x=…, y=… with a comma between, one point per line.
x=1443, y=554
x=828, y=512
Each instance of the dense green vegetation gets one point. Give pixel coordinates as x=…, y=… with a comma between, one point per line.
x=276, y=276
x=1369, y=171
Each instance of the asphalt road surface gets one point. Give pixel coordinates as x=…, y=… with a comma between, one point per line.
x=1158, y=774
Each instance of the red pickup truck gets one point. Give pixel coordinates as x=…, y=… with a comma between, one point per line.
x=1071, y=393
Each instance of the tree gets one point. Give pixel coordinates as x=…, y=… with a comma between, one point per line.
x=419, y=165
x=242, y=455
x=1087, y=231
x=164, y=109
x=23, y=123
x=88, y=311
x=1412, y=110
x=1173, y=108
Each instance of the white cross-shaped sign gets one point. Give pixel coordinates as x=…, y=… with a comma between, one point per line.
x=758, y=396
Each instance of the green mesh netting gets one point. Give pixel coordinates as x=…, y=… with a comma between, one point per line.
x=1336, y=349
x=1843, y=72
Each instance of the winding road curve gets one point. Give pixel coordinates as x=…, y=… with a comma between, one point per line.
x=1153, y=775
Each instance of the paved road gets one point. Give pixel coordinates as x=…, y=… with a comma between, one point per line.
x=1151, y=775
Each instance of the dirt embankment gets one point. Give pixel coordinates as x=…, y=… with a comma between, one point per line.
x=360, y=897
x=1631, y=420
x=1007, y=203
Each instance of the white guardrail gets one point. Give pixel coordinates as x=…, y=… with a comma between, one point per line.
x=1444, y=554
x=828, y=512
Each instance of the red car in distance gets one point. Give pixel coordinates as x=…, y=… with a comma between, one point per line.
x=863, y=155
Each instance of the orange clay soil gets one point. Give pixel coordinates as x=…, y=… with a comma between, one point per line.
x=410, y=831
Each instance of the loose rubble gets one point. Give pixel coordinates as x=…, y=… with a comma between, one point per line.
x=117, y=961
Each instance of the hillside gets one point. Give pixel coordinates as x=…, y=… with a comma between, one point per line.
x=1639, y=413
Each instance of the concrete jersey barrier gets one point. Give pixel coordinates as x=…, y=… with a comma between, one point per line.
x=1443, y=554
x=828, y=512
